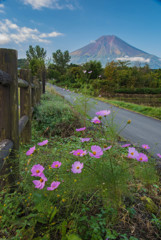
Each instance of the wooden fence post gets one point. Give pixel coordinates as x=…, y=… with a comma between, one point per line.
x=25, y=105
x=32, y=93
x=9, y=110
x=43, y=77
x=39, y=90
x=35, y=89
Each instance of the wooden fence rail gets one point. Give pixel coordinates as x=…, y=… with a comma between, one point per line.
x=11, y=127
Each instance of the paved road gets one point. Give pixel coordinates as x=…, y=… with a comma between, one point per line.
x=142, y=130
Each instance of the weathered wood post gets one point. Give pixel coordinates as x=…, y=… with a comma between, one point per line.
x=25, y=105
x=43, y=77
x=40, y=89
x=9, y=110
x=36, y=90
x=32, y=92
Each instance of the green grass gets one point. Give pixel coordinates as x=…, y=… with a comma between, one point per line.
x=54, y=116
x=154, y=112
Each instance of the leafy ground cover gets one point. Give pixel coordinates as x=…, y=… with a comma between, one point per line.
x=84, y=185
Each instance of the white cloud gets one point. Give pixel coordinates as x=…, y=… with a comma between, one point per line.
x=1, y=8
x=55, y=4
x=134, y=59
x=37, y=4
x=11, y=32
x=4, y=38
x=93, y=41
x=54, y=34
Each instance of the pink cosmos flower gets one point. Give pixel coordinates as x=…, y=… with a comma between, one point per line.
x=84, y=71
x=96, y=120
x=159, y=155
x=132, y=153
x=100, y=76
x=40, y=183
x=85, y=139
x=126, y=145
x=56, y=164
x=80, y=129
x=53, y=186
x=43, y=143
x=73, y=151
x=103, y=113
x=77, y=167
x=109, y=147
x=90, y=72
x=96, y=151
x=37, y=170
x=80, y=152
x=30, y=151
x=142, y=157
x=145, y=146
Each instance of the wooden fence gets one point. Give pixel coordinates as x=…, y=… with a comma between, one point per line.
x=15, y=120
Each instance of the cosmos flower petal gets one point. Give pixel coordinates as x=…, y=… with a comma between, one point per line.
x=43, y=143
x=80, y=129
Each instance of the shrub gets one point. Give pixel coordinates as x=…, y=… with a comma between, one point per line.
x=139, y=90
x=54, y=116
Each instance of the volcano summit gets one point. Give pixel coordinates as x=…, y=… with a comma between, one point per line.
x=111, y=48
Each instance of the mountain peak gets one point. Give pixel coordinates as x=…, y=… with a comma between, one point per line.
x=109, y=48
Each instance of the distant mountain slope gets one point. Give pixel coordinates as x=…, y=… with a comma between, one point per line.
x=108, y=48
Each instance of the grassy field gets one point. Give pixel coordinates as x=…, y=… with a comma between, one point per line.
x=145, y=110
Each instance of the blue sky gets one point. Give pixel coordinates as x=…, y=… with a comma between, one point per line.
x=72, y=24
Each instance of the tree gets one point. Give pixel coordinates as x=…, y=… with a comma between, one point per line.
x=94, y=67
x=23, y=63
x=35, y=53
x=110, y=73
x=61, y=60
x=52, y=72
x=36, y=58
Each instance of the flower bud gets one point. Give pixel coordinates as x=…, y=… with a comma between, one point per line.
x=129, y=121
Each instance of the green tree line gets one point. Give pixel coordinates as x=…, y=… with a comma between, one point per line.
x=115, y=77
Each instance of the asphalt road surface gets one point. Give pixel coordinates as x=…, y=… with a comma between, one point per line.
x=142, y=130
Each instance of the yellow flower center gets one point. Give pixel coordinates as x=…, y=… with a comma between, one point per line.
x=56, y=165
x=94, y=152
x=141, y=158
x=78, y=167
x=78, y=153
x=145, y=147
x=41, y=180
x=37, y=171
x=132, y=153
